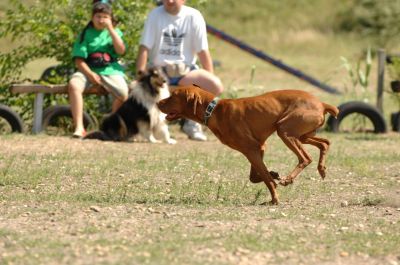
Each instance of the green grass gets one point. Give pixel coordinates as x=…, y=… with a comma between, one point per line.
x=161, y=204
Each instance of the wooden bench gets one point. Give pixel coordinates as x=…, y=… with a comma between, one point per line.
x=40, y=90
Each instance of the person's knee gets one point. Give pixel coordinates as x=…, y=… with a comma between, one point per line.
x=123, y=95
x=215, y=85
x=219, y=87
x=123, y=98
x=73, y=87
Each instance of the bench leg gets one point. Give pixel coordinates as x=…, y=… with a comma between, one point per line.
x=37, y=113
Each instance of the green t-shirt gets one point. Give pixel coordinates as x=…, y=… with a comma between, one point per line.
x=98, y=41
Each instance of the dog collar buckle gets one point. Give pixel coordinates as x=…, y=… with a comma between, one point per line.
x=210, y=108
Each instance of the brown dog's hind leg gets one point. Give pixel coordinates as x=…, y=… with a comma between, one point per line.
x=291, y=129
x=323, y=145
x=294, y=144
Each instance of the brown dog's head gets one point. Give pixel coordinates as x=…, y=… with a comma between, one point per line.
x=184, y=102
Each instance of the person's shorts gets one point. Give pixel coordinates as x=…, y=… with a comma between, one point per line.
x=114, y=84
x=174, y=81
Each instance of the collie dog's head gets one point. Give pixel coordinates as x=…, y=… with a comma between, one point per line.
x=153, y=80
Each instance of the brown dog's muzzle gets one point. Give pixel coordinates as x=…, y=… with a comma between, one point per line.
x=165, y=107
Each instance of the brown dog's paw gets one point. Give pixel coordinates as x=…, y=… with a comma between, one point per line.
x=322, y=171
x=272, y=202
x=275, y=175
x=285, y=181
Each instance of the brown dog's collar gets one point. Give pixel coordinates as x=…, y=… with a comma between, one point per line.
x=211, y=106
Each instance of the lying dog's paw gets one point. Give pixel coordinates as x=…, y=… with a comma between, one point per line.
x=275, y=175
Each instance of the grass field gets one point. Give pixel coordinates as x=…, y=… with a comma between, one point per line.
x=64, y=201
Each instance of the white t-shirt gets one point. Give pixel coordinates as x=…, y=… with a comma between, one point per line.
x=174, y=38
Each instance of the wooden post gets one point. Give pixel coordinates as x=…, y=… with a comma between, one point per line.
x=381, y=78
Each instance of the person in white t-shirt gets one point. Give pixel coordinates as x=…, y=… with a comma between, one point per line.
x=174, y=36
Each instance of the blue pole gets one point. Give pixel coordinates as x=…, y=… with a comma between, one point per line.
x=269, y=59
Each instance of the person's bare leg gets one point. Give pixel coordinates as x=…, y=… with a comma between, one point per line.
x=76, y=102
x=203, y=79
x=208, y=82
x=116, y=104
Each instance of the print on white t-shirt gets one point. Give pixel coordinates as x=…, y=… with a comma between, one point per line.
x=172, y=42
x=174, y=38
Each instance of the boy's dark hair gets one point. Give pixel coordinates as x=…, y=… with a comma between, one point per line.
x=103, y=1
x=100, y=6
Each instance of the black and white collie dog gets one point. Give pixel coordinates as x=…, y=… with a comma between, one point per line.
x=139, y=114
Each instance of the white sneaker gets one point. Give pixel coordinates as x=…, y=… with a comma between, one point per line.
x=194, y=131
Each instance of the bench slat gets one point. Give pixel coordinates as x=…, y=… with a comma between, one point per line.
x=52, y=89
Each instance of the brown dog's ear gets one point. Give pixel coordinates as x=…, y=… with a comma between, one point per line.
x=195, y=97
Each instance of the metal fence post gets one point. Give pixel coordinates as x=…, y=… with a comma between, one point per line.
x=381, y=78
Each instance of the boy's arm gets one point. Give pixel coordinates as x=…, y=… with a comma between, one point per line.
x=85, y=69
x=118, y=43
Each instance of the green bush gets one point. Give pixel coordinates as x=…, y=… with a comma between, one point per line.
x=379, y=19
x=47, y=29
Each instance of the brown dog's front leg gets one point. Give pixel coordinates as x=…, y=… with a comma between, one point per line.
x=260, y=170
x=256, y=178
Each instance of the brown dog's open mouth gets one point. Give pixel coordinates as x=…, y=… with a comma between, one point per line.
x=172, y=116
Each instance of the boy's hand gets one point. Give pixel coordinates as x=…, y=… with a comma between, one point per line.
x=95, y=79
x=108, y=24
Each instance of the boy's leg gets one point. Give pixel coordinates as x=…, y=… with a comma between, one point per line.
x=76, y=86
x=117, y=86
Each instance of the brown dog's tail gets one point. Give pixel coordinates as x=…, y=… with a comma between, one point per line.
x=331, y=109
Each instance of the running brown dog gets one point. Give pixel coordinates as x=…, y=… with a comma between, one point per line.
x=244, y=124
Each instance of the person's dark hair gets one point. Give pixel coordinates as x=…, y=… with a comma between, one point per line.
x=103, y=1
x=100, y=6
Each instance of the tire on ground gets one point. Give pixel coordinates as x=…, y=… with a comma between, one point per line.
x=52, y=113
x=371, y=112
x=12, y=118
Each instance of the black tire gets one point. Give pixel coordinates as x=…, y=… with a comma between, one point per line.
x=395, y=121
x=52, y=114
x=371, y=112
x=53, y=73
x=12, y=118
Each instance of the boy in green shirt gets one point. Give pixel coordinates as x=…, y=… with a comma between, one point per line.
x=95, y=53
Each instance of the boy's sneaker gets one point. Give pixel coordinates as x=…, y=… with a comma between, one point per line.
x=194, y=130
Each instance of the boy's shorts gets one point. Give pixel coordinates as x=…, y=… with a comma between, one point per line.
x=114, y=84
